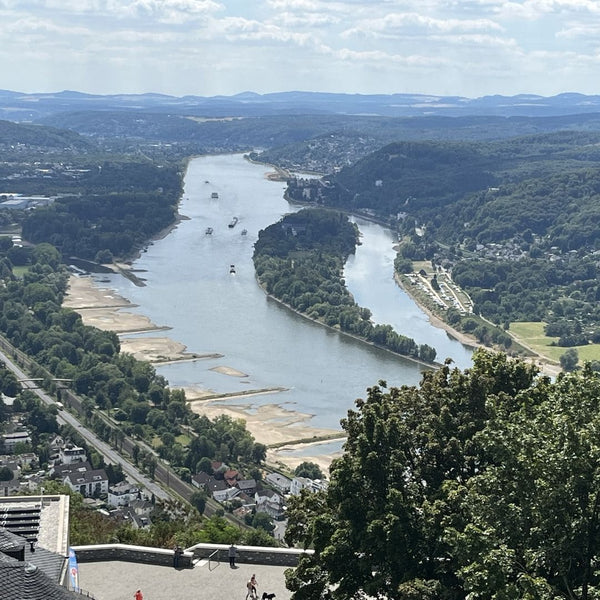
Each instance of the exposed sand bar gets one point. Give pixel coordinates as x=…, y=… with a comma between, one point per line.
x=269, y=424
x=103, y=308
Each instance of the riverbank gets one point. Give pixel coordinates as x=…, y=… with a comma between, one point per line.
x=270, y=424
x=546, y=365
x=412, y=359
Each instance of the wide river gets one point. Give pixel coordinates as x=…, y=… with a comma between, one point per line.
x=190, y=289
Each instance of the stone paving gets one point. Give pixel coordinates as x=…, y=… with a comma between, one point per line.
x=116, y=580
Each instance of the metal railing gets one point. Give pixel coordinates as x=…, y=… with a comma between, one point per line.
x=210, y=559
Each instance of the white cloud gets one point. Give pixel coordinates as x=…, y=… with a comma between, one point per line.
x=536, y=9
x=415, y=23
x=578, y=30
x=289, y=19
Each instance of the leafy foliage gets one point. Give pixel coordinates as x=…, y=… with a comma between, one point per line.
x=482, y=483
x=300, y=261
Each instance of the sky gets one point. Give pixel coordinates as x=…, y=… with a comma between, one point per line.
x=468, y=48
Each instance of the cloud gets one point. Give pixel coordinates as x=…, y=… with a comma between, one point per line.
x=537, y=9
x=117, y=9
x=289, y=19
x=579, y=30
x=414, y=23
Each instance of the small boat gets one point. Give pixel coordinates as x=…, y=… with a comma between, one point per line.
x=244, y=231
x=232, y=269
x=214, y=195
x=208, y=231
x=233, y=222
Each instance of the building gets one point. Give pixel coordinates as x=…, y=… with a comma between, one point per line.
x=279, y=482
x=8, y=441
x=70, y=453
x=122, y=493
x=304, y=483
x=34, y=548
x=269, y=502
x=88, y=483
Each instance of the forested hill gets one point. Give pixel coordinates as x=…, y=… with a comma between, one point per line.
x=41, y=136
x=516, y=221
x=300, y=261
x=483, y=190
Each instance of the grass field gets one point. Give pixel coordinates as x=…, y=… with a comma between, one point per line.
x=532, y=334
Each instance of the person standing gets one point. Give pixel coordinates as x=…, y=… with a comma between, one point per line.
x=138, y=595
x=232, y=552
x=177, y=553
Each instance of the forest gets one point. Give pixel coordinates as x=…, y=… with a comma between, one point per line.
x=300, y=260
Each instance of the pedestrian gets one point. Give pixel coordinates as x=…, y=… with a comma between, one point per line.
x=177, y=552
x=232, y=552
x=251, y=585
x=138, y=595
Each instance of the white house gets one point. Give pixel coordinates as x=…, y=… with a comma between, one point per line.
x=304, y=483
x=122, y=493
x=10, y=440
x=229, y=493
x=270, y=502
x=70, y=453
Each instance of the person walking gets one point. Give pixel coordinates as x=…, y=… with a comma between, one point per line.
x=138, y=595
x=232, y=552
x=252, y=585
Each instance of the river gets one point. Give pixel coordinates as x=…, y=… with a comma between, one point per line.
x=190, y=289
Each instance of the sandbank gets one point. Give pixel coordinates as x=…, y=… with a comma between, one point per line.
x=272, y=425
x=229, y=371
x=269, y=424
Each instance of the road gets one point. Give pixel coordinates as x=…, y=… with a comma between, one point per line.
x=172, y=485
x=65, y=418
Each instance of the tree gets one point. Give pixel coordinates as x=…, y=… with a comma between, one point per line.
x=6, y=474
x=569, y=360
x=476, y=484
x=263, y=520
x=198, y=501
x=308, y=469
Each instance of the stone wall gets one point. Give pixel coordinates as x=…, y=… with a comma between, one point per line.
x=258, y=555
x=123, y=552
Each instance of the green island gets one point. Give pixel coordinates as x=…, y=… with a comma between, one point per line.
x=300, y=261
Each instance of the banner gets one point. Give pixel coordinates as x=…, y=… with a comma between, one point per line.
x=73, y=570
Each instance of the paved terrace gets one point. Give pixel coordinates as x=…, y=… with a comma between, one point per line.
x=119, y=579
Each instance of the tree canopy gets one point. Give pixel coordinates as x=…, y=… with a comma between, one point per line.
x=476, y=484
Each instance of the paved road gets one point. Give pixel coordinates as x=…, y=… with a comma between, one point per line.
x=165, y=485
x=64, y=417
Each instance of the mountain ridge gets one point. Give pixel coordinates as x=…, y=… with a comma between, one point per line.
x=23, y=106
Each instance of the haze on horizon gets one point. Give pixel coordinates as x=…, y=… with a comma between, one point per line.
x=210, y=47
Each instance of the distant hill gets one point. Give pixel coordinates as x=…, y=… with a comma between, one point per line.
x=486, y=191
x=41, y=136
x=18, y=106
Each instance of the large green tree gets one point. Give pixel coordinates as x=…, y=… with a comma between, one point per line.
x=476, y=484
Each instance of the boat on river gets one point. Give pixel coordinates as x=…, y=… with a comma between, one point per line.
x=233, y=222
x=214, y=195
x=232, y=269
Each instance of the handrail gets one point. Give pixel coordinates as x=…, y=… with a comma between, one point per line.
x=210, y=557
